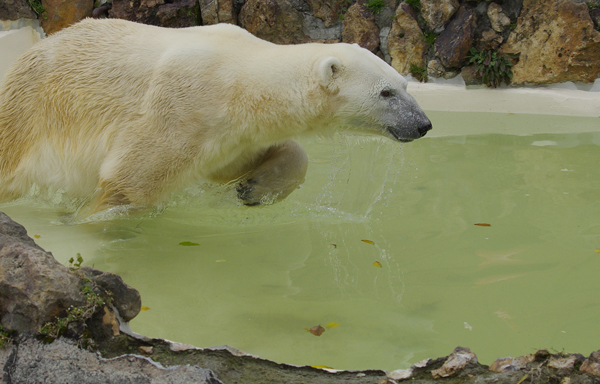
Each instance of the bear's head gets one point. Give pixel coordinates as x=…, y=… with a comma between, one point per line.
x=369, y=95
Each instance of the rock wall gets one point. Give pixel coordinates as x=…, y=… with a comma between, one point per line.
x=552, y=40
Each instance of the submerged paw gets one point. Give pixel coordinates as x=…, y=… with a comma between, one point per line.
x=246, y=192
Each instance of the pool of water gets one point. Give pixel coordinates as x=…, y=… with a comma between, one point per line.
x=426, y=280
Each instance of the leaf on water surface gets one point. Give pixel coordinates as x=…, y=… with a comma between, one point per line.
x=597, y=250
x=368, y=242
x=321, y=367
x=332, y=325
x=317, y=330
x=377, y=264
x=334, y=245
x=144, y=308
x=188, y=244
x=37, y=236
x=483, y=224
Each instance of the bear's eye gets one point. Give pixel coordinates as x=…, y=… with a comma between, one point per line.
x=386, y=93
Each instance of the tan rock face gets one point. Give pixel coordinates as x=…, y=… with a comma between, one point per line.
x=328, y=11
x=273, y=20
x=217, y=11
x=557, y=42
x=62, y=13
x=406, y=43
x=360, y=28
x=437, y=12
x=498, y=19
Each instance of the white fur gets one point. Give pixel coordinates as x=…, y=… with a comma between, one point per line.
x=133, y=112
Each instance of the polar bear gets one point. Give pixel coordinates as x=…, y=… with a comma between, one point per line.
x=122, y=113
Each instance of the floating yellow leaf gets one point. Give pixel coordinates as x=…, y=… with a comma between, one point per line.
x=368, y=242
x=188, y=244
x=317, y=330
x=483, y=224
x=597, y=250
x=144, y=308
x=377, y=264
x=37, y=236
x=332, y=325
x=321, y=367
x=220, y=261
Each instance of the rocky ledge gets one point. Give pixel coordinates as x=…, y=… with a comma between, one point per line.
x=70, y=324
x=518, y=41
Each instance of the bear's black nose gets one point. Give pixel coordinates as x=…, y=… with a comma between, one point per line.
x=424, y=129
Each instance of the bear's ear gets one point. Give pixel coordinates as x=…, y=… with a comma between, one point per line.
x=328, y=70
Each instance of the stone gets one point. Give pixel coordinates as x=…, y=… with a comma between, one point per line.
x=591, y=365
x=277, y=21
x=436, y=69
x=64, y=362
x=401, y=374
x=16, y=9
x=456, y=362
x=329, y=11
x=316, y=29
x=453, y=44
x=568, y=362
x=508, y=364
x=490, y=40
x=217, y=11
x=383, y=43
x=470, y=76
x=360, y=27
x=172, y=14
x=34, y=287
x=498, y=19
x=146, y=350
x=126, y=299
x=437, y=13
x=595, y=15
x=406, y=44
x=62, y=13
x=557, y=42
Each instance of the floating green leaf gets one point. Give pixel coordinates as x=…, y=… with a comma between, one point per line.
x=188, y=244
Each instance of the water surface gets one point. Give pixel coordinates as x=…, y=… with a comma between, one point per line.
x=260, y=276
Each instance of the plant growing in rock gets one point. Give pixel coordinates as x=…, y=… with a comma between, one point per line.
x=4, y=337
x=93, y=301
x=37, y=7
x=430, y=37
x=419, y=73
x=376, y=6
x=416, y=4
x=493, y=67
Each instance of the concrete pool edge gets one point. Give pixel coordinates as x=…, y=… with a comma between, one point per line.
x=556, y=100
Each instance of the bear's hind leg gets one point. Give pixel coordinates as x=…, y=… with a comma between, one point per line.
x=281, y=171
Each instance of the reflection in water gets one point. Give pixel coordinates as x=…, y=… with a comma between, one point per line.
x=261, y=275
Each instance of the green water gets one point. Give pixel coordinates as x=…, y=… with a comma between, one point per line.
x=261, y=275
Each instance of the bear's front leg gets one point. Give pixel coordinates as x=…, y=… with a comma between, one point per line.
x=281, y=171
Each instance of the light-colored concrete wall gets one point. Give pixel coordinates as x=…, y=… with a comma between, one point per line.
x=15, y=38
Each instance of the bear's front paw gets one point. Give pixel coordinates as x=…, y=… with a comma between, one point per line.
x=246, y=192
